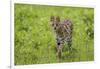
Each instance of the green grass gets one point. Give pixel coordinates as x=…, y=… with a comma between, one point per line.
x=35, y=40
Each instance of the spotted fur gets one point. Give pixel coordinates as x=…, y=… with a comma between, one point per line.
x=63, y=30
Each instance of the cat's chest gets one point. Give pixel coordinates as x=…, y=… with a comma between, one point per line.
x=61, y=31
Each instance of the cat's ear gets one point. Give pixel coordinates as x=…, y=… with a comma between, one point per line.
x=58, y=19
x=52, y=18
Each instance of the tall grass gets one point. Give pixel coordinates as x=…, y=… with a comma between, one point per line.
x=35, y=39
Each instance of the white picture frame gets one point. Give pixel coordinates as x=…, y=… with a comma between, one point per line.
x=75, y=3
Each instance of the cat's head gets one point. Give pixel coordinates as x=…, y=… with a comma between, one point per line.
x=55, y=20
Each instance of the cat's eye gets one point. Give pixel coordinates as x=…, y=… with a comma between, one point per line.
x=52, y=24
x=56, y=24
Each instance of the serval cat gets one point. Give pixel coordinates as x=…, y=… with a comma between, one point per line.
x=63, y=30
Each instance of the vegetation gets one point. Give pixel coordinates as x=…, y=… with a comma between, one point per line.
x=35, y=39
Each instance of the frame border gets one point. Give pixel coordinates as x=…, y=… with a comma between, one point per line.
x=38, y=2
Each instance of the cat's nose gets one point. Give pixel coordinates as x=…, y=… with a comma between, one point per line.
x=55, y=28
